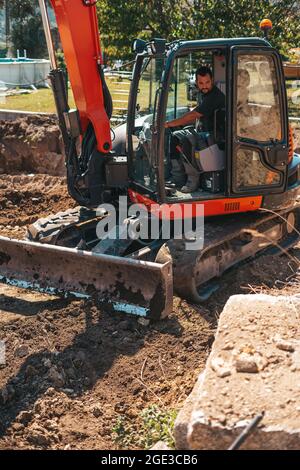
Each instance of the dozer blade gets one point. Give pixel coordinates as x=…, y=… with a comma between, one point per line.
x=132, y=286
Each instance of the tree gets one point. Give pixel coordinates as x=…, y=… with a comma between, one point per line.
x=26, y=27
x=121, y=21
x=232, y=18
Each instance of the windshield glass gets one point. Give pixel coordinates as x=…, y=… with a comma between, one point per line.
x=148, y=84
x=143, y=138
x=183, y=93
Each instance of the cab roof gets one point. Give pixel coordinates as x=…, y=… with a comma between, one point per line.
x=222, y=42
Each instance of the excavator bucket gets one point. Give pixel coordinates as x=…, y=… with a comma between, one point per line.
x=128, y=285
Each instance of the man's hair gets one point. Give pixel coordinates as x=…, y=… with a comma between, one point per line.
x=203, y=70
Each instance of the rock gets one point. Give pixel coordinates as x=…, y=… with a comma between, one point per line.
x=22, y=351
x=160, y=445
x=263, y=378
x=183, y=419
x=51, y=425
x=284, y=345
x=17, y=427
x=50, y=392
x=4, y=395
x=56, y=377
x=68, y=391
x=79, y=359
x=228, y=346
x=127, y=340
x=143, y=321
x=125, y=325
x=47, y=363
x=71, y=373
x=38, y=407
x=30, y=371
x=26, y=334
x=25, y=417
x=74, y=313
x=221, y=368
x=296, y=360
x=246, y=363
x=87, y=381
x=7, y=393
x=38, y=438
x=97, y=412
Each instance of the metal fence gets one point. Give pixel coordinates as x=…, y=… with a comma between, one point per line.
x=119, y=84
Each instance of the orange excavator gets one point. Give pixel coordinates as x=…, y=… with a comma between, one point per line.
x=123, y=179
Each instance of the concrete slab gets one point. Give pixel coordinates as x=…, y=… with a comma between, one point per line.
x=254, y=367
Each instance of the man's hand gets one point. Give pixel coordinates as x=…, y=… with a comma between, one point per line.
x=185, y=120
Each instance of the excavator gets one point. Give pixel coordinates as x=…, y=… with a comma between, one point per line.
x=114, y=245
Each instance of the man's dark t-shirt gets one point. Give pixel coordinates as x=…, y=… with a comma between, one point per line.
x=211, y=101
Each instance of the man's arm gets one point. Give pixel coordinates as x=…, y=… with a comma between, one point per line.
x=184, y=120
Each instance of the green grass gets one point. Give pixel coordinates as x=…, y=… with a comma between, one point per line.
x=39, y=101
x=42, y=100
x=154, y=425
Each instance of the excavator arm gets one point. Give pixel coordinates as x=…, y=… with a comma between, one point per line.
x=90, y=121
x=79, y=34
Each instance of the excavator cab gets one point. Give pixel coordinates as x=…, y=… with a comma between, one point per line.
x=174, y=85
x=245, y=156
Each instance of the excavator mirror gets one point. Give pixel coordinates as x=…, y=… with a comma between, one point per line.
x=158, y=46
x=155, y=46
x=139, y=46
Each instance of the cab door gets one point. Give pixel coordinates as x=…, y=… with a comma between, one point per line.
x=259, y=129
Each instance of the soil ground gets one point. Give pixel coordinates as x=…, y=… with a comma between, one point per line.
x=78, y=377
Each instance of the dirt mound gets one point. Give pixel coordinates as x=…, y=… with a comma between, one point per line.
x=76, y=376
x=81, y=378
x=73, y=370
x=25, y=198
x=31, y=144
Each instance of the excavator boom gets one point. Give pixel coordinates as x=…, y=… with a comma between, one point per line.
x=79, y=34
